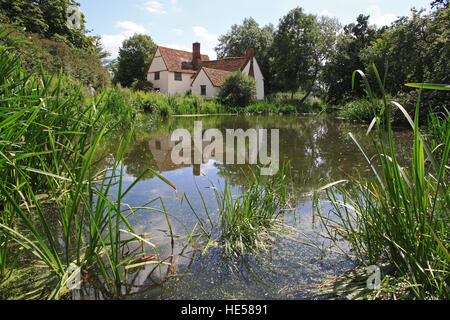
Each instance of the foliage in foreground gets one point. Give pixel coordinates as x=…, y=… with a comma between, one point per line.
x=58, y=209
x=248, y=221
x=402, y=218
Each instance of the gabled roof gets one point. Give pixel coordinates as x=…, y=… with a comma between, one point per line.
x=218, y=70
x=216, y=76
x=179, y=60
x=231, y=64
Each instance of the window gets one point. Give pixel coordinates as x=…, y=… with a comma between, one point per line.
x=178, y=76
x=203, y=90
x=157, y=75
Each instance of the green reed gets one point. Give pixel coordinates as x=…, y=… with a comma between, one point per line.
x=54, y=201
x=249, y=220
x=402, y=217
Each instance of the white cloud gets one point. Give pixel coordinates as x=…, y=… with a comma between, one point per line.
x=112, y=42
x=208, y=41
x=204, y=34
x=376, y=17
x=325, y=12
x=178, y=32
x=130, y=27
x=177, y=47
x=155, y=7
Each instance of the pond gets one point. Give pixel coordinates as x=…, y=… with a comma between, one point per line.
x=318, y=150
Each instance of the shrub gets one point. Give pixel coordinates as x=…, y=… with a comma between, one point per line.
x=361, y=110
x=399, y=218
x=142, y=85
x=238, y=90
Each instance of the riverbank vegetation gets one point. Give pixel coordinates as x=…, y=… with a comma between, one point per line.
x=57, y=211
x=58, y=208
x=399, y=220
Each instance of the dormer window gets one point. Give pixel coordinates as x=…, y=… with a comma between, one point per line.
x=178, y=76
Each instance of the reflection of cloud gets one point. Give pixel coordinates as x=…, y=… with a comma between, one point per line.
x=209, y=166
x=128, y=178
x=380, y=19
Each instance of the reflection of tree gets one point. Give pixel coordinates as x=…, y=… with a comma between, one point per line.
x=138, y=158
x=318, y=147
x=319, y=150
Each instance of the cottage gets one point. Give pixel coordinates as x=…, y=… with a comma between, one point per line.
x=175, y=71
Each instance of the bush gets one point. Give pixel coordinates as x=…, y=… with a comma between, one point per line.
x=82, y=66
x=238, y=90
x=142, y=85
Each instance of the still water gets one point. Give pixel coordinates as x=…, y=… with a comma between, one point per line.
x=319, y=151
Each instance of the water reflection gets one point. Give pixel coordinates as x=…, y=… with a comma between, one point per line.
x=319, y=151
x=318, y=148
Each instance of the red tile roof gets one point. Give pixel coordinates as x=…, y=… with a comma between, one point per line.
x=228, y=64
x=216, y=70
x=179, y=60
x=216, y=76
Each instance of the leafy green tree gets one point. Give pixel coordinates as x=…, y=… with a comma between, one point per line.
x=415, y=49
x=249, y=35
x=134, y=59
x=345, y=58
x=81, y=65
x=301, y=45
x=47, y=18
x=238, y=90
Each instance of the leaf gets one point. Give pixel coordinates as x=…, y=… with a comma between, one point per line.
x=429, y=86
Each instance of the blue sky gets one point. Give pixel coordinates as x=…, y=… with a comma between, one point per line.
x=179, y=23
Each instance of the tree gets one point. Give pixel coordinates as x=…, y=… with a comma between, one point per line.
x=238, y=90
x=249, y=35
x=415, y=48
x=134, y=59
x=47, y=18
x=439, y=4
x=345, y=58
x=301, y=45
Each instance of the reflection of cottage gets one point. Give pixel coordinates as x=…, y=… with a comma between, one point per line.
x=175, y=71
x=161, y=147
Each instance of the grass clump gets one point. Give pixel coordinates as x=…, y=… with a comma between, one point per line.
x=402, y=217
x=57, y=206
x=249, y=220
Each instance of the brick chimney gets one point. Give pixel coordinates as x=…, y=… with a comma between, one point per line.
x=251, y=55
x=196, y=56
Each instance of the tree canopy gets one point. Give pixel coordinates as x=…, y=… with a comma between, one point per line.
x=49, y=19
x=301, y=44
x=238, y=90
x=249, y=35
x=134, y=59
